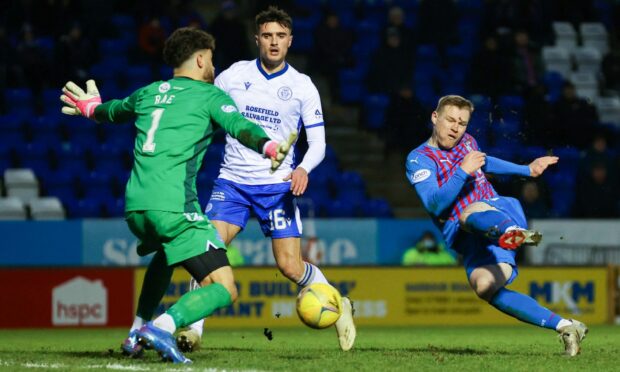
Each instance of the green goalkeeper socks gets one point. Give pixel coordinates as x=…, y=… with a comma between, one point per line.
x=198, y=304
x=156, y=281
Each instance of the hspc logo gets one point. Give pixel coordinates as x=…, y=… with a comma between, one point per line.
x=80, y=301
x=568, y=293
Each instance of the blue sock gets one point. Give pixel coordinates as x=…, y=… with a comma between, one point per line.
x=490, y=223
x=524, y=308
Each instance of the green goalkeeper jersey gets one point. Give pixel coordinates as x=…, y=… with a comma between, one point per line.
x=175, y=122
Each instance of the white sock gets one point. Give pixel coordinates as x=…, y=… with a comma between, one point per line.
x=311, y=275
x=563, y=323
x=165, y=322
x=198, y=326
x=137, y=323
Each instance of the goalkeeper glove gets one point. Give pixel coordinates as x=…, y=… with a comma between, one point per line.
x=277, y=151
x=78, y=102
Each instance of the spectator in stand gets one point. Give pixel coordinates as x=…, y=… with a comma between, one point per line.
x=526, y=62
x=30, y=66
x=599, y=152
x=73, y=56
x=537, y=115
x=574, y=11
x=574, y=118
x=404, y=122
x=151, y=38
x=438, y=23
x=392, y=57
x=427, y=251
x=611, y=68
x=332, y=49
x=489, y=70
x=231, y=35
x=534, y=203
x=396, y=20
x=597, y=194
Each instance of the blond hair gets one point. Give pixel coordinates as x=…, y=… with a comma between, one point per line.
x=454, y=100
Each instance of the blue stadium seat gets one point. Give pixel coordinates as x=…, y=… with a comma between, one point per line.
x=370, y=32
x=85, y=208
x=73, y=159
x=426, y=72
x=18, y=97
x=462, y=52
x=427, y=53
x=139, y=74
x=561, y=179
x=425, y=93
x=340, y=209
x=114, y=207
x=304, y=35
x=377, y=208
x=511, y=103
x=375, y=106
x=554, y=81
x=562, y=202
x=113, y=47
x=108, y=159
x=351, y=86
x=123, y=23
x=83, y=137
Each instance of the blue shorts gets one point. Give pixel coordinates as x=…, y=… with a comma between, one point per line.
x=274, y=205
x=479, y=251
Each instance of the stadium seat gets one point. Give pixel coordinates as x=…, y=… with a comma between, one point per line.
x=511, y=103
x=114, y=207
x=554, y=81
x=21, y=183
x=18, y=98
x=594, y=35
x=351, y=86
x=139, y=75
x=565, y=34
x=426, y=53
x=123, y=23
x=304, y=35
x=340, y=209
x=377, y=208
x=113, y=47
x=588, y=59
x=46, y=208
x=85, y=208
x=374, y=108
x=586, y=85
x=562, y=201
x=609, y=109
x=426, y=73
x=557, y=59
x=12, y=208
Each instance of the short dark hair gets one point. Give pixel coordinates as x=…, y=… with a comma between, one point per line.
x=274, y=14
x=184, y=42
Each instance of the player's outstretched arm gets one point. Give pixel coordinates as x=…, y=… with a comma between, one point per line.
x=88, y=104
x=538, y=166
x=78, y=102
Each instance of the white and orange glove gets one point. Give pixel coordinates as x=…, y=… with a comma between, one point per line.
x=277, y=151
x=78, y=102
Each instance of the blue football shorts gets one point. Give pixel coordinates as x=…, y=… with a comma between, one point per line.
x=274, y=206
x=479, y=251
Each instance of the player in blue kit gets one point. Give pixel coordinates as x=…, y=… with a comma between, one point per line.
x=448, y=174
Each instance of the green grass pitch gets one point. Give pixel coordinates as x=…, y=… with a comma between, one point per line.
x=515, y=348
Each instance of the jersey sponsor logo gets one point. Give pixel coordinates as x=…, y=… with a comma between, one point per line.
x=414, y=160
x=285, y=93
x=247, y=85
x=420, y=175
x=164, y=87
x=228, y=108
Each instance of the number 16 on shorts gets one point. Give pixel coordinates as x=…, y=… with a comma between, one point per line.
x=278, y=219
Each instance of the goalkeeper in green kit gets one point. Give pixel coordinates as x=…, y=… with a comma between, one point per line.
x=175, y=122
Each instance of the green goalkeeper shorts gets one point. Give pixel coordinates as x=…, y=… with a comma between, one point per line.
x=180, y=235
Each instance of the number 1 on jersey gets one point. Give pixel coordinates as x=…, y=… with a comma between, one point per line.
x=149, y=144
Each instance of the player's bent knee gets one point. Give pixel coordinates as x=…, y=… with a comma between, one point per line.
x=485, y=288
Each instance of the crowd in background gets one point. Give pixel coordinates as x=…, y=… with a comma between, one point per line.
x=45, y=43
